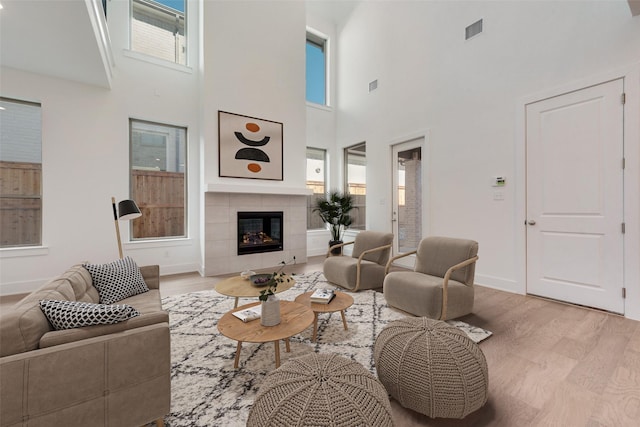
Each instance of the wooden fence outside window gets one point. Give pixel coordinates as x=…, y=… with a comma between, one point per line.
x=20, y=204
x=161, y=199
x=160, y=196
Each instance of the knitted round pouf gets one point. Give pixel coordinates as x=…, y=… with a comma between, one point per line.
x=431, y=367
x=321, y=390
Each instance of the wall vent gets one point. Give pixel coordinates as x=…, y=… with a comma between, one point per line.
x=473, y=30
x=373, y=85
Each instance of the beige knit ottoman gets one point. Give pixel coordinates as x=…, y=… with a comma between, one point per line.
x=321, y=390
x=431, y=367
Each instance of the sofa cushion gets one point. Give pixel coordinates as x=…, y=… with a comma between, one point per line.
x=149, y=302
x=73, y=314
x=149, y=305
x=81, y=284
x=117, y=280
x=53, y=338
x=24, y=324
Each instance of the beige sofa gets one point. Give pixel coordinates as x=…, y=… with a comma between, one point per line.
x=107, y=375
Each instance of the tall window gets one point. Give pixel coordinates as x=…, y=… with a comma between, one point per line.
x=158, y=179
x=316, y=67
x=158, y=29
x=316, y=181
x=355, y=158
x=20, y=173
x=407, y=200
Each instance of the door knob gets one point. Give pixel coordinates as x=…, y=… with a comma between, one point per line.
x=531, y=222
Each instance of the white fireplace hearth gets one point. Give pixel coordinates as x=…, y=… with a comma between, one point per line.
x=222, y=204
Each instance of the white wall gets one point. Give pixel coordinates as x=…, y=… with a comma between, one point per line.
x=253, y=64
x=321, y=128
x=85, y=154
x=467, y=96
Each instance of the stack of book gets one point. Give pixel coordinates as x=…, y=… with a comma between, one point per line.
x=322, y=296
x=249, y=314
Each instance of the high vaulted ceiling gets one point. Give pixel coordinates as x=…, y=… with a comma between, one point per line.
x=336, y=11
x=60, y=38
x=68, y=38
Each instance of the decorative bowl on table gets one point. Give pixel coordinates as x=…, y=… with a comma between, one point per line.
x=247, y=274
x=261, y=279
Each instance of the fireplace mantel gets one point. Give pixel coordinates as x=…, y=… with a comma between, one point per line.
x=254, y=189
x=222, y=204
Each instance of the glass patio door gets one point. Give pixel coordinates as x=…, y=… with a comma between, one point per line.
x=407, y=198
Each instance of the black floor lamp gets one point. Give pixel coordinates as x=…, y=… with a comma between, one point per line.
x=127, y=210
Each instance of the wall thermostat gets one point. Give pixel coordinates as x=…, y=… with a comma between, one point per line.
x=499, y=181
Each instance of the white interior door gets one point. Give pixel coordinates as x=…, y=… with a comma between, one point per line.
x=407, y=198
x=575, y=197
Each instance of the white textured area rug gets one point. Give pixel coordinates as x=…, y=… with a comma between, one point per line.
x=208, y=391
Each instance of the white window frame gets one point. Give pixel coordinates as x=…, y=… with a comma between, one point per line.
x=312, y=197
x=16, y=152
x=179, y=167
x=353, y=150
x=148, y=57
x=315, y=37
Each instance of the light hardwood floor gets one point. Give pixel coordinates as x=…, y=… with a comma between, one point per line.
x=550, y=364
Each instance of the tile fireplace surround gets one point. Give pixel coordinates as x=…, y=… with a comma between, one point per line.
x=223, y=202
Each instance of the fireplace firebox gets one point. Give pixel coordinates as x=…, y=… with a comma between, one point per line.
x=259, y=232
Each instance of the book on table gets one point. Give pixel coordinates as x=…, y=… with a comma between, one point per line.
x=322, y=296
x=249, y=314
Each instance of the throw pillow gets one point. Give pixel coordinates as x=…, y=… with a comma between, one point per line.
x=75, y=314
x=117, y=280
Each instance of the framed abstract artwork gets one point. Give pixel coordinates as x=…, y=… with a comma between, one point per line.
x=249, y=147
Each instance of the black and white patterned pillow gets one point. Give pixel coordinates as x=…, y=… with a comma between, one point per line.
x=117, y=280
x=75, y=314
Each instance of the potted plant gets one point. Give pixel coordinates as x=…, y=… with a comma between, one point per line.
x=270, y=303
x=334, y=210
x=271, y=281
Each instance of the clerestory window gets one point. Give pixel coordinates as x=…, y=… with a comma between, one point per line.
x=158, y=29
x=316, y=68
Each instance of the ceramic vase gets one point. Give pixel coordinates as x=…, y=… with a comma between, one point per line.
x=270, y=311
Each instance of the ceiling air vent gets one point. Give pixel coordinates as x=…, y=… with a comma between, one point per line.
x=473, y=30
x=373, y=85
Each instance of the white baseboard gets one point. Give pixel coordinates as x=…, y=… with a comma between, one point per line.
x=166, y=270
x=499, y=283
x=316, y=252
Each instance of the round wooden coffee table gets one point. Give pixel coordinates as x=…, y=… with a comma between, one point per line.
x=239, y=287
x=340, y=303
x=294, y=318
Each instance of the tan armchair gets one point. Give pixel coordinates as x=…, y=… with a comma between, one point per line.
x=365, y=268
x=441, y=284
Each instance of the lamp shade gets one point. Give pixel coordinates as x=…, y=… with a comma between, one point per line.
x=128, y=210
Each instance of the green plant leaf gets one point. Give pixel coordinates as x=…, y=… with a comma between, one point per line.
x=334, y=210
